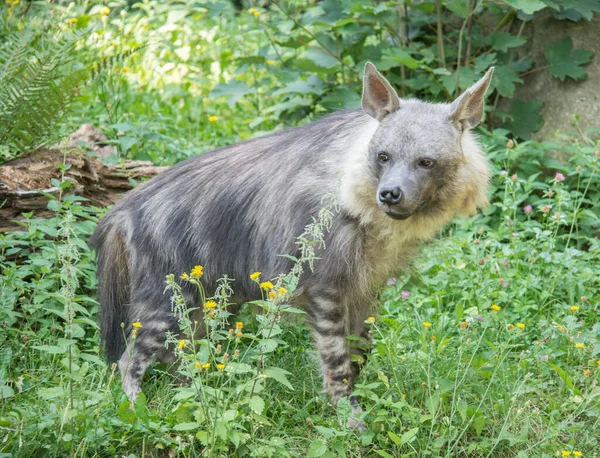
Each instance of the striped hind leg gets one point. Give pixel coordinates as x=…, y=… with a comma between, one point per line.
x=144, y=345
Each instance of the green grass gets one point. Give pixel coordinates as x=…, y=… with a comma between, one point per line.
x=478, y=382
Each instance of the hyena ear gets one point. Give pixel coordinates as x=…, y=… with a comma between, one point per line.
x=467, y=110
x=378, y=98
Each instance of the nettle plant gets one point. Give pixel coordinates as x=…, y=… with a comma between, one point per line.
x=313, y=52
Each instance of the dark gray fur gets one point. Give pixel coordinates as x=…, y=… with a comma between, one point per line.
x=234, y=210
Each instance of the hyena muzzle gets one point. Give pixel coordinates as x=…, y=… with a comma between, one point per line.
x=399, y=170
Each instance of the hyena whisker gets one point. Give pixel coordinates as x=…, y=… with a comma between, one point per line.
x=398, y=170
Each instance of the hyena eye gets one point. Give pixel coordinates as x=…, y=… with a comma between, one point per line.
x=383, y=157
x=426, y=163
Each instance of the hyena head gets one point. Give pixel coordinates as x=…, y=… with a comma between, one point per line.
x=419, y=154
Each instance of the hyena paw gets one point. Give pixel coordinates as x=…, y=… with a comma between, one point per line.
x=354, y=421
x=357, y=424
x=132, y=388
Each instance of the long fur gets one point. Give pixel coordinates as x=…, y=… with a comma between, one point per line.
x=234, y=210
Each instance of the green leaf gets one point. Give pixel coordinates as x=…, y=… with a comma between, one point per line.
x=51, y=349
x=6, y=392
x=257, y=404
x=527, y=6
x=238, y=368
x=395, y=438
x=53, y=205
x=312, y=85
x=479, y=422
x=504, y=80
x=280, y=375
x=187, y=426
x=524, y=118
x=584, y=7
x=126, y=143
x=125, y=413
x=51, y=393
x=268, y=345
x=395, y=57
x=316, y=448
x=502, y=41
x=566, y=61
x=234, y=89
x=316, y=61
x=384, y=454
x=409, y=435
x=565, y=378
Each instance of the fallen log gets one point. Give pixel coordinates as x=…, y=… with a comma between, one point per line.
x=26, y=181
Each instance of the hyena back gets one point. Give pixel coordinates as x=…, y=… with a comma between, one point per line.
x=399, y=170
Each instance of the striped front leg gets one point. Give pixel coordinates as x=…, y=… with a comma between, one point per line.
x=330, y=324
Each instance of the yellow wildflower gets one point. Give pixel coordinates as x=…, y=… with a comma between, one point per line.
x=565, y=453
x=598, y=362
x=577, y=453
x=209, y=305
x=251, y=10
x=213, y=118
x=116, y=45
x=574, y=308
x=72, y=20
x=184, y=276
x=511, y=326
x=520, y=326
x=272, y=294
x=344, y=380
x=282, y=291
x=464, y=324
x=197, y=271
x=579, y=345
x=206, y=366
x=266, y=285
x=495, y=308
x=370, y=320
x=427, y=324
x=256, y=13
x=270, y=62
x=136, y=324
x=105, y=11
x=239, y=325
x=181, y=344
x=125, y=69
x=198, y=365
x=255, y=275
x=220, y=366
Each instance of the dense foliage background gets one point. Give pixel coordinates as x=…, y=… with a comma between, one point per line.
x=491, y=347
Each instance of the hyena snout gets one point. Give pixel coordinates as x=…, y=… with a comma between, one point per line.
x=390, y=195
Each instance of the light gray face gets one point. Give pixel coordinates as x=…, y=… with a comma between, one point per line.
x=413, y=155
x=416, y=151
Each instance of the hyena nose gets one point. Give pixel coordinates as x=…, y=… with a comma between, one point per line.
x=390, y=196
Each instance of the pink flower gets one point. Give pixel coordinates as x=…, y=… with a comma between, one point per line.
x=405, y=294
x=528, y=209
x=503, y=173
x=559, y=177
x=391, y=281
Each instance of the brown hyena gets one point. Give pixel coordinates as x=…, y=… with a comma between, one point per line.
x=399, y=169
